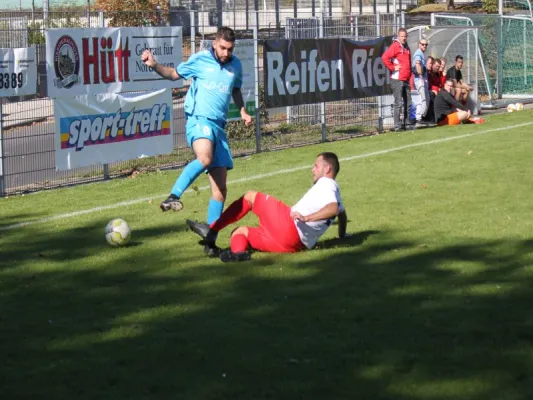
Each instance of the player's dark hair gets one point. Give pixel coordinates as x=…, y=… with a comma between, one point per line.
x=331, y=159
x=401, y=30
x=459, y=57
x=226, y=34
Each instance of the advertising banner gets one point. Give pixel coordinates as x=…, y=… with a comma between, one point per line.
x=104, y=128
x=18, y=72
x=304, y=71
x=108, y=60
x=244, y=50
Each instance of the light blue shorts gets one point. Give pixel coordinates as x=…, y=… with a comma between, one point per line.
x=204, y=128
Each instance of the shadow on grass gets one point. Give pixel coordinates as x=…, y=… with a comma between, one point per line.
x=350, y=240
x=28, y=243
x=375, y=318
x=12, y=219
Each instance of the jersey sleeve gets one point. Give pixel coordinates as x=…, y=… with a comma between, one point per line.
x=189, y=68
x=418, y=57
x=238, y=76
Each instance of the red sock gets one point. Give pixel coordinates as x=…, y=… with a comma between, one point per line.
x=239, y=243
x=236, y=210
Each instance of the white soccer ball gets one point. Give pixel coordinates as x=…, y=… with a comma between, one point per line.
x=117, y=232
x=519, y=106
x=511, y=107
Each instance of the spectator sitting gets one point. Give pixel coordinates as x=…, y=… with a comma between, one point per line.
x=443, y=70
x=449, y=111
x=435, y=78
x=461, y=88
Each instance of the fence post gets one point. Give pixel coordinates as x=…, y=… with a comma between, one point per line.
x=524, y=52
x=247, y=16
x=193, y=32
x=322, y=105
x=276, y=6
x=219, y=14
x=2, y=179
x=257, y=103
x=499, y=78
x=256, y=8
x=380, y=98
x=101, y=22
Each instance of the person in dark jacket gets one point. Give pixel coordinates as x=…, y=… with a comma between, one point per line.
x=397, y=58
x=449, y=111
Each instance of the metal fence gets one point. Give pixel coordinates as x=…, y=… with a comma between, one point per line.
x=27, y=135
x=505, y=53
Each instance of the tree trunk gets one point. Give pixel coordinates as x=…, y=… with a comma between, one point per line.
x=450, y=5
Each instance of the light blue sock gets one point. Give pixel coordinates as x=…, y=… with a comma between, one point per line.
x=214, y=211
x=187, y=176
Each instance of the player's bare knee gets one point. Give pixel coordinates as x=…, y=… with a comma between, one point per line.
x=250, y=196
x=241, y=230
x=205, y=159
x=219, y=194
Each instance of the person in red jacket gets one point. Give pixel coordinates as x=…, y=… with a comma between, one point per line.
x=435, y=79
x=397, y=58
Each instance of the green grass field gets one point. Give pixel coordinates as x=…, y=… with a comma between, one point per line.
x=429, y=298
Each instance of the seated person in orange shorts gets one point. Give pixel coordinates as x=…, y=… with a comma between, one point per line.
x=449, y=111
x=282, y=229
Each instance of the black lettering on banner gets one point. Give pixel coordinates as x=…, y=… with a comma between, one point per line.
x=303, y=71
x=11, y=80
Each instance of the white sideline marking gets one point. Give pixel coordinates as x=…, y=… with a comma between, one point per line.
x=256, y=177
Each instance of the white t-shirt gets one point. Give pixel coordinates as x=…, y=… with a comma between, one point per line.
x=323, y=192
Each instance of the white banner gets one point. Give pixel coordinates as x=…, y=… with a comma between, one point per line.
x=244, y=50
x=18, y=72
x=108, y=60
x=104, y=128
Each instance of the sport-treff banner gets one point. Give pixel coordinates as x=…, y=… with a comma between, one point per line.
x=110, y=127
x=303, y=71
x=108, y=60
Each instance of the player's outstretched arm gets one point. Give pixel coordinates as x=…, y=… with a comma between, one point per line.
x=343, y=223
x=328, y=211
x=162, y=70
x=236, y=94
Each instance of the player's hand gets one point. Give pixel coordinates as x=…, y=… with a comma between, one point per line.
x=148, y=59
x=246, y=118
x=397, y=67
x=297, y=216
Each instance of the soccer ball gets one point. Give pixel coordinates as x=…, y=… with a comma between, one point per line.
x=519, y=106
x=511, y=107
x=117, y=232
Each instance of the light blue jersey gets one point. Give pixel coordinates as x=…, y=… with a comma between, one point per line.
x=212, y=83
x=419, y=56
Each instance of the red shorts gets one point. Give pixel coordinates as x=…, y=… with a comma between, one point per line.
x=276, y=232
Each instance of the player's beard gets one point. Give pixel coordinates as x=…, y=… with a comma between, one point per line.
x=222, y=59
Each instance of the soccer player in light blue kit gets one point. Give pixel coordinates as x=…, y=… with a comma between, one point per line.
x=216, y=78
